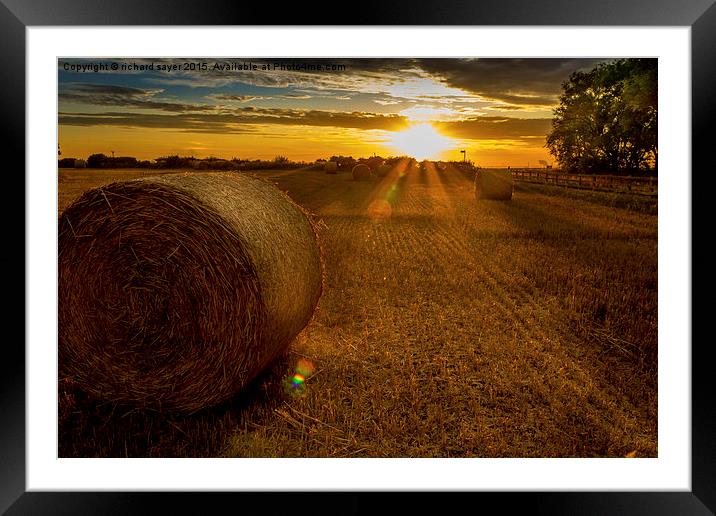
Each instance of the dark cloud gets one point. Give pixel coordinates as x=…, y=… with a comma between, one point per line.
x=507, y=107
x=109, y=89
x=241, y=121
x=222, y=122
x=236, y=98
x=495, y=127
x=509, y=84
x=515, y=81
x=525, y=81
x=355, y=74
x=123, y=96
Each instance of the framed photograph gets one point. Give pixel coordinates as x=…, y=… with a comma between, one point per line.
x=450, y=252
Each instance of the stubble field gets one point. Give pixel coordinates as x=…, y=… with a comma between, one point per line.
x=448, y=327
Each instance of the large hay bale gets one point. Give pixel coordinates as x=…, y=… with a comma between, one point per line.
x=361, y=171
x=373, y=163
x=331, y=167
x=493, y=184
x=176, y=291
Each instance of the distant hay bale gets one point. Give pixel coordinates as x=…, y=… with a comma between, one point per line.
x=373, y=163
x=493, y=184
x=331, y=167
x=176, y=291
x=361, y=171
x=383, y=170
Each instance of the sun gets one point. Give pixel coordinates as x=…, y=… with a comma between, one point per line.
x=421, y=141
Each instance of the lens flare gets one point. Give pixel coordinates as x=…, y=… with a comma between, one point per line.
x=296, y=384
x=305, y=367
x=379, y=209
x=392, y=194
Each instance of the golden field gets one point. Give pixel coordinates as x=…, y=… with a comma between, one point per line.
x=448, y=327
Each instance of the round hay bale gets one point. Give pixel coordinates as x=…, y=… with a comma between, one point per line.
x=331, y=167
x=383, y=170
x=361, y=172
x=176, y=291
x=373, y=163
x=493, y=184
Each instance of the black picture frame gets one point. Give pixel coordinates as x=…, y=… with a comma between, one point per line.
x=17, y=15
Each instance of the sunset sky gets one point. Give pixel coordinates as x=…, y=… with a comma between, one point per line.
x=498, y=110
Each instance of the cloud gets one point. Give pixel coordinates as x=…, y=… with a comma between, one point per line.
x=459, y=90
x=360, y=75
x=508, y=107
x=495, y=127
x=223, y=122
x=236, y=98
x=519, y=81
x=534, y=81
x=245, y=119
x=295, y=97
x=122, y=96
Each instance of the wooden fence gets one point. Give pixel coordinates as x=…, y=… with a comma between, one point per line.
x=604, y=183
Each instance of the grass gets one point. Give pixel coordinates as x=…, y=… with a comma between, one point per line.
x=448, y=327
x=633, y=202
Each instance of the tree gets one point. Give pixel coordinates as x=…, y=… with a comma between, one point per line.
x=96, y=161
x=173, y=161
x=606, y=120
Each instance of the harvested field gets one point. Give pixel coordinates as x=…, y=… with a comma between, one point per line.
x=493, y=184
x=447, y=328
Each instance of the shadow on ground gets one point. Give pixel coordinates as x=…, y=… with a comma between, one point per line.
x=91, y=428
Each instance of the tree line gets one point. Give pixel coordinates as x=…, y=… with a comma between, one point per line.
x=175, y=161
x=211, y=163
